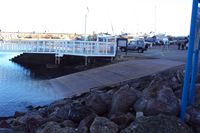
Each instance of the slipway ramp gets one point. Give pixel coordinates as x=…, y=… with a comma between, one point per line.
x=114, y=74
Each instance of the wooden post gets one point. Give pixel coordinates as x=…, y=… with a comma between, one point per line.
x=111, y=59
x=86, y=61
x=57, y=60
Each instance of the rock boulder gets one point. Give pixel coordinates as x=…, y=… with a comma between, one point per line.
x=100, y=103
x=103, y=125
x=123, y=99
x=157, y=124
x=158, y=101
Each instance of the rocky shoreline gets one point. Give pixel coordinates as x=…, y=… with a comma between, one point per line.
x=148, y=104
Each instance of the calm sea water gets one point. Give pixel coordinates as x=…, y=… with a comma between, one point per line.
x=19, y=88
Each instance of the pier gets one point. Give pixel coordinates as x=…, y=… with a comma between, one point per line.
x=62, y=47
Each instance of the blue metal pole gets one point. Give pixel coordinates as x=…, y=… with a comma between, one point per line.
x=189, y=59
x=194, y=74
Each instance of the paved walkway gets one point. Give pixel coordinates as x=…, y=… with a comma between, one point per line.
x=77, y=83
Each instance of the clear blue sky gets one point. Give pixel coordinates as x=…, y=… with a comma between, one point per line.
x=170, y=16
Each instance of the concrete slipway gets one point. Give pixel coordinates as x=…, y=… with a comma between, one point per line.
x=77, y=83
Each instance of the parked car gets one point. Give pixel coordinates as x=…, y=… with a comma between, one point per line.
x=150, y=41
x=135, y=45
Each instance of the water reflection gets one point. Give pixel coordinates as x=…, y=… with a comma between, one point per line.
x=19, y=89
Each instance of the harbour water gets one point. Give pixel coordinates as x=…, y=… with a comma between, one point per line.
x=19, y=88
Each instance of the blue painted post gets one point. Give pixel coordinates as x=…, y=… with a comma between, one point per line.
x=194, y=74
x=189, y=60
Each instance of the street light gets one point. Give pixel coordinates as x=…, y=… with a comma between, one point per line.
x=86, y=20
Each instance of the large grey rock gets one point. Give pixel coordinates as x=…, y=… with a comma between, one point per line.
x=100, y=103
x=53, y=117
x=30, y=115
x=61, y=112
x=168, y=102
x=68, y=123
x=194, y=115
x=103, y=125
x=157, y=124
x=142, y=83
x=107, y=98
x=123, y=99
x=74, y=112
x=140, y=104
x=85, y=124
x=58, y=104
x=54, y=127
x=17, y=114
x=77, y=113
x=30, y=121
x=44, y=111
x=49, y=127
x=156, y=101
x=123, y=120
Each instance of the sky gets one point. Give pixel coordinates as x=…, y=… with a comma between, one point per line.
x=114, y=16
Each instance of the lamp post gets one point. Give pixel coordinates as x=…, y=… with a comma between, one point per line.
x=85, y=25
x=87, y=10
x=155, y=17
x=86, y=22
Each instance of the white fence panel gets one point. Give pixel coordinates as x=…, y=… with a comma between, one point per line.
x=60, y=47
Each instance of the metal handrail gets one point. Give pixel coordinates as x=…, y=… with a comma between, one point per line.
x=60, y=47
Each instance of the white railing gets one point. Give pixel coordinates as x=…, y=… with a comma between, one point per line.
x=61, y=47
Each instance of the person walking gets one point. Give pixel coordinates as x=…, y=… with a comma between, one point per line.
x=165, y=44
